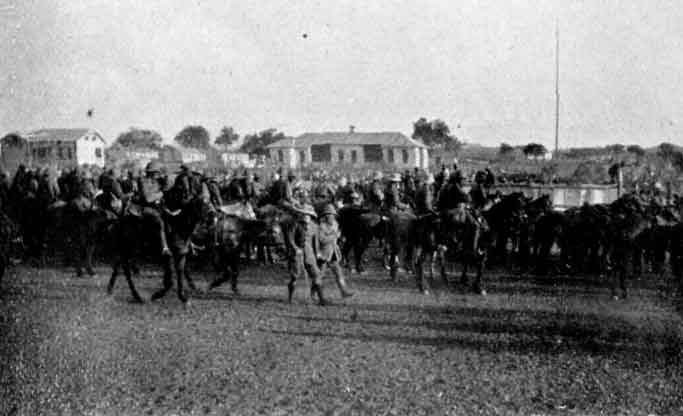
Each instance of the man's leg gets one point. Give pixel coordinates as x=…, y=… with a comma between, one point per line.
x=316, y=281
x=339, y=277
x=155, y=217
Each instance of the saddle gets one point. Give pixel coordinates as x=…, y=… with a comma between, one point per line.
x=239, y=209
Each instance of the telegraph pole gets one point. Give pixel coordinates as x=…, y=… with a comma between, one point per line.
x=557, y=88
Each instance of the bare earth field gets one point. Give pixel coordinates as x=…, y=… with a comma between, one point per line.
x=553, y=347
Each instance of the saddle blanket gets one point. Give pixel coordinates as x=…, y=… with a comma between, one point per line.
x=243, y=210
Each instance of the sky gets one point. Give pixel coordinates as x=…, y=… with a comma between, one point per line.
x=487, y=68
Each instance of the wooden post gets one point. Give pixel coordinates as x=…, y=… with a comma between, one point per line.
x=620, y=182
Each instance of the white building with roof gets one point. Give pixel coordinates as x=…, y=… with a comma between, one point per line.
x=59, y=148
x=350, y=148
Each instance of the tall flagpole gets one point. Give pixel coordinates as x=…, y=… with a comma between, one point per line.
x=557, y=88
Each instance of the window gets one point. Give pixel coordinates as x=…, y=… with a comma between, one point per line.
x=405, y=156
x=98, y=153
x=42, y=153
x=280, y=156
x=390, y=155
x=70, y=153
x=302, y=157
x=60, y=153
x=34, y=152
x=340, y=155
x=354, y=156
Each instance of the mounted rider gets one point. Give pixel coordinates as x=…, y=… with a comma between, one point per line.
x=394, y=200
x=376, y=192
x=424, y=197
x=111, y=199
x=149, y=197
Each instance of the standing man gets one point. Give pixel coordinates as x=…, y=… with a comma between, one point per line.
x=329, y=254
x=306, y=248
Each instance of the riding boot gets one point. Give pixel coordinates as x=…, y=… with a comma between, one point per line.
x=343, y=288
x=321, y=299
x=290, y=291
x=165, y=251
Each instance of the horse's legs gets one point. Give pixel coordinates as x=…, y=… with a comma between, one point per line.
x=419, y=269
x=114, y=275
x=476, y=285
x=188, y=279
x=465, y=263
x=358, y=250
x=345, y=250
x=233, y=271
x=129, y=278
x=180, y=271
x=167, y=279
x=441, y=262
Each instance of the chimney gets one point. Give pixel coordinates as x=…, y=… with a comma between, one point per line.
x=352, y=129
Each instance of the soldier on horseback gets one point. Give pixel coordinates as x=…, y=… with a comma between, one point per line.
x=150, y=199
x=112, y=193
x=394, y=200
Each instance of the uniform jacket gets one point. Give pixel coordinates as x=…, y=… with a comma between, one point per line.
x=328, y=235
x=424, y=199
x=306, y=239
x=150, y=192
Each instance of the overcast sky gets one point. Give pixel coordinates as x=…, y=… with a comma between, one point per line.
x=487, y=66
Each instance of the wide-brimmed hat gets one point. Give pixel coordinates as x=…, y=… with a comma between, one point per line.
x=378, y=176
x=329, y=210
x=396, y=177
x=307, y=210
x=153, y=167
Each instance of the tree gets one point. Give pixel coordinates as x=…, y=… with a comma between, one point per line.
x=227, y=137
x=435, y=133
x=636, y=150
x=534, y=149
x=135, y=137
x=666, y=151
x=256, y=143
x=196, y=137
x=505, y=149
x=615, y=148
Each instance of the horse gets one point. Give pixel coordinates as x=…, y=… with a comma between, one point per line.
x=466, y=238
x=506, y=220
x=232, y=234
x=359, y=226
x=181, y=220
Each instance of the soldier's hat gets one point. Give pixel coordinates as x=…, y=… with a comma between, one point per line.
x=355, y=195
x=307, y=210
x=329, y=210
x=183, y=169
x=291, y=175
x=153, y=167
x=429, y=179
x=378, y=176
x=396, y=177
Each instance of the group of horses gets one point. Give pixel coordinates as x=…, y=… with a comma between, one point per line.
x=614, y=240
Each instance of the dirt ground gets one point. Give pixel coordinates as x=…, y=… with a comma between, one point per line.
x=555, y=346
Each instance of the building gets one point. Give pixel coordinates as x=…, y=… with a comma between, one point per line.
x=349, y=148
x=59, y=148
x=236, y=160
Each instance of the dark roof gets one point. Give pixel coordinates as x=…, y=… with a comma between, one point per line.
x=347, y=138
x=63, y=135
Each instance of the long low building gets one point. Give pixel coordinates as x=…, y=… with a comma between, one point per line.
x=349, y=148
x=60, y=148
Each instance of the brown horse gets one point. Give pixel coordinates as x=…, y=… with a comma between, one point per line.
x=181, y=220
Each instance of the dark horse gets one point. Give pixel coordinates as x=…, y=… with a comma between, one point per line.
x=181, y=220
x=233, y=233
x=359, y=226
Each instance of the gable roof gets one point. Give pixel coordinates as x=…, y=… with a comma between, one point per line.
x=53, y=135
x=347, y=138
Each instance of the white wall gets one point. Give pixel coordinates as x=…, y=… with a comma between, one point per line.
x=86, y=150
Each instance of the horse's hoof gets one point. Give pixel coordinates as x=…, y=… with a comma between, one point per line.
x=425, y=292
x=482, y=292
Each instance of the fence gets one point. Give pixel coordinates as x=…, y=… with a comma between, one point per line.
x=565, y=196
